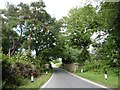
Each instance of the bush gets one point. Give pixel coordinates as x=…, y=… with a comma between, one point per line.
x=22, y=69
x=92, y=65
x=14, y=73
x=11, y=76
x=5, y=68
x=16, y=70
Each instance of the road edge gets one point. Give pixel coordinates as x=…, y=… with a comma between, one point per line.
x=86, y=79
x=45, y=84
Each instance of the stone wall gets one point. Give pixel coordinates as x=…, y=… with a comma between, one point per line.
x=71, y=67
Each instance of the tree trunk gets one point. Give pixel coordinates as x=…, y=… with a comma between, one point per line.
x=37, y=52
x=15, y=44
x=29, y=41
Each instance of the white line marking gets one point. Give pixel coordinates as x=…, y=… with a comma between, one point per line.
x=86, y=80
x=45, y=84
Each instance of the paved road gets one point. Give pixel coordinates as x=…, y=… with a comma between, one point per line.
x=62, y=79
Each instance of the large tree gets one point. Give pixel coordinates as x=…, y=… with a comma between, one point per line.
x=27, y=26
x=80, y=25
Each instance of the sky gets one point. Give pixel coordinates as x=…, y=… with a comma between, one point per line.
x=56, y=8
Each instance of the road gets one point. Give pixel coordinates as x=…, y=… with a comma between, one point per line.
x=63, y=79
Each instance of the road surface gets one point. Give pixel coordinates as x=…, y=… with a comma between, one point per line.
x=63, y=79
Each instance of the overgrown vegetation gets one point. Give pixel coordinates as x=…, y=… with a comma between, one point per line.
x=17, y=73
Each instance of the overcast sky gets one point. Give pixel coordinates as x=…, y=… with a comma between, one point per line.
x=57, y=8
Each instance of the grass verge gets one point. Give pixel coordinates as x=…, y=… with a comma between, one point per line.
x=38, y=82
x=111, y=82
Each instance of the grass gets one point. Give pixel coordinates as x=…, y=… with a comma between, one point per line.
x=111, y=82
x=38, y=82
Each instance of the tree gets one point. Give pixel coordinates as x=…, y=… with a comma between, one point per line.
x=9, y=23
x=27, y=24
x=109, y=24
x=81, y=23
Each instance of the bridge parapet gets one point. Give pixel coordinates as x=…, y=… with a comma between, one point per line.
x=72, y=67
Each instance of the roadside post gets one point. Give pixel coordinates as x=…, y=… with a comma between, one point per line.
x=32, y=72
x=105, y=75
x=32, y=76
x=82, y=70
x=47, y=67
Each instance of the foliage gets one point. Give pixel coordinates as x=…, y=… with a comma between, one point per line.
x=27, y=27
x=108, y=50
x=15, y=71
x=81, y=23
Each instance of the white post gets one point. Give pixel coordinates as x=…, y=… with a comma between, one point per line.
x=105, y=75
x=46, y=72
x=81, y=70
x=32, y=77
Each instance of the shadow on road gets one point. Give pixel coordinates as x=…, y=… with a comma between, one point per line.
x=58, y=71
